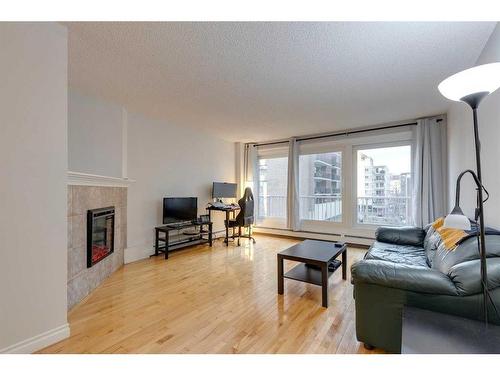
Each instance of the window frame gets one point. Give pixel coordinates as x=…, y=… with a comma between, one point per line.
x=348, y=146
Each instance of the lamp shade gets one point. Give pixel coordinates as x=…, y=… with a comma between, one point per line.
x=456, y=221
x=479, y=79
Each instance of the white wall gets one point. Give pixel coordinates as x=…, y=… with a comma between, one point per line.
x=33, y=164
x=167, y=160
x=94, y=135
x=163, y=159
x=461, y=144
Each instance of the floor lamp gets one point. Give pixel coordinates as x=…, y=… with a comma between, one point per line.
x=471, y=86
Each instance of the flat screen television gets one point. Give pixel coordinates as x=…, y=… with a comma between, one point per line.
x=179, y=209
x=224, y=190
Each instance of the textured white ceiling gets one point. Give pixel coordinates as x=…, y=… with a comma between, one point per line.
x=258, y=81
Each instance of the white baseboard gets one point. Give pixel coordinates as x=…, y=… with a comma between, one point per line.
x=135, y=253
x=38, y=342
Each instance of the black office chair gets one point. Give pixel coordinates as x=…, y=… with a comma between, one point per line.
x=245, y=217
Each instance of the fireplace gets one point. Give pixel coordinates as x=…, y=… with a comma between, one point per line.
x=100, y=234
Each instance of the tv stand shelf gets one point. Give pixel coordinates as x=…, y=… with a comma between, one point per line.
x=164, y=245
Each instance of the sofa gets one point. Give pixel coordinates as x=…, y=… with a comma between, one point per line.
x=409, y=266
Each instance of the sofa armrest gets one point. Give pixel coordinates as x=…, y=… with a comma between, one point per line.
x=401, y=276
x=413, y=236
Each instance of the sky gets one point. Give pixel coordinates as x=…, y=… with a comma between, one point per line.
x=398, y=159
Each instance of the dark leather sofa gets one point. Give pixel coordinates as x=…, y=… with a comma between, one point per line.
x=410, y=266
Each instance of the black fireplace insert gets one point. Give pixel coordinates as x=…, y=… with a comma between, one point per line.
x=100, y=234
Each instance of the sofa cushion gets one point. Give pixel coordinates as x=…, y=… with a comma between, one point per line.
x=413, y=236
x=403, y=254
x=431, y=243
x=445, y=259
x=467, y=279
x=402, y=276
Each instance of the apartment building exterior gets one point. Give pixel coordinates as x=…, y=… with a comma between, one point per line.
x=383, y=197
x=320, y=189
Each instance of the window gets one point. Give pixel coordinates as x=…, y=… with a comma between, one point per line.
x=384, y=185
x=272, y=189
x=320, y=186
x=346, y=185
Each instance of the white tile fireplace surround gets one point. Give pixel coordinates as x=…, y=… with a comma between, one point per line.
x=82, y=280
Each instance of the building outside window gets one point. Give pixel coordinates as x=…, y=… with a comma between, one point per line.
x=272, y=188
x=384, y=186
x=381, y=194
x=320, y=186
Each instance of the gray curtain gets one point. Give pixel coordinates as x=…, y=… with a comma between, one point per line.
x=250, y=163
x=250, y=172
x=429, y=187
x=293, y=216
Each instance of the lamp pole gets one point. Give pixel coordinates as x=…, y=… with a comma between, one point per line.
x=473, y=101
x=471, y=86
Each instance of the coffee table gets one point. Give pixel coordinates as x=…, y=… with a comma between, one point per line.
x=315, y=256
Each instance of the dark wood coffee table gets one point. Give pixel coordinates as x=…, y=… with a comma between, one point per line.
x=315, y=257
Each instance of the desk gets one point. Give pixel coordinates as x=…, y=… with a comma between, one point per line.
x=429, y=332
x=228, y=210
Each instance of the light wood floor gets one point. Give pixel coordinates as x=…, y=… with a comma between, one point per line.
x=213, y=300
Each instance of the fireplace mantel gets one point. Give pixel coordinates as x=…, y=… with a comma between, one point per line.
x=86, y=179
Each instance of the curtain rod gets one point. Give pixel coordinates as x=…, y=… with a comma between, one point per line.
x=347, y=132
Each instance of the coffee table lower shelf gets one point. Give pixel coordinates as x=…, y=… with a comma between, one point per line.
x=307, y=274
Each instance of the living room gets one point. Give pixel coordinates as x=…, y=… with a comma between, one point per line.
x=250, y=187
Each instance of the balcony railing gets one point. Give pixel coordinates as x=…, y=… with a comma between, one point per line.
x=272, y=206
x=315, y=207
x=375, y=210
x=379, y=210
x=321, y=207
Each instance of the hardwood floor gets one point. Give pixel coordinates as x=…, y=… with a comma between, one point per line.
x=214, y=300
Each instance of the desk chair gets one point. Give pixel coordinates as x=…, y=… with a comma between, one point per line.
x=245, y=217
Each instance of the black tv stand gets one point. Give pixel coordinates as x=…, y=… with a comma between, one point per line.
x=179, y=225
x=204, y=235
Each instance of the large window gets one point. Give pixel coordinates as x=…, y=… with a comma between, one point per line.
x=343, y=185
x=384, y=185
x=272, y=190
x=320, y=186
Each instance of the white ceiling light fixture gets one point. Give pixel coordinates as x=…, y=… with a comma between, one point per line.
x=472, y=85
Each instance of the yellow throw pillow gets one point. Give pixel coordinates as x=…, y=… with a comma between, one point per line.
x=449, y=236
x=438, y=223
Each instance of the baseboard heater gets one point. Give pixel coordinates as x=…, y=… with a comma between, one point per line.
x=303, y=234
